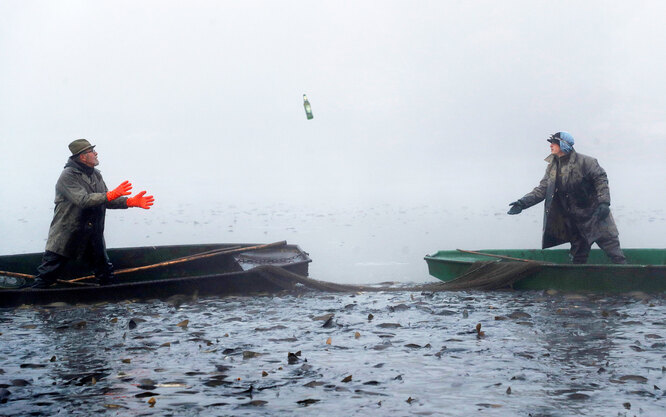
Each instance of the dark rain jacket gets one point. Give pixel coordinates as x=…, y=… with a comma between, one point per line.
x=572, y=199
x=80, y=207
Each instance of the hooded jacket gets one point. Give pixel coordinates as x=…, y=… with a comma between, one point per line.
x=571, y=201
x=80, y=208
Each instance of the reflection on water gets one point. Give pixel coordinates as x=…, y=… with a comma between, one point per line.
x=351, y=354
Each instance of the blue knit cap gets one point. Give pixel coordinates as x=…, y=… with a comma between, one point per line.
x=565, y=140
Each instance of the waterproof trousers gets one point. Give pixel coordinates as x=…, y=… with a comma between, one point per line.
x=53, y=264
x=580, y=249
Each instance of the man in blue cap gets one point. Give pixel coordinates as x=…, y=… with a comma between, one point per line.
x=577, y=203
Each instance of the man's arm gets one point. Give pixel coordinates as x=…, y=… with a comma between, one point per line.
x=600, y=180
x=538, y=194
x=70, y=187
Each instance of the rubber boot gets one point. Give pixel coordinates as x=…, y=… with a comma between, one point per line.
x=107, y=278
x=40, y=283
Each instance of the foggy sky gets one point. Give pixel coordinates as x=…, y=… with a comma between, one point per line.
x=432, y=102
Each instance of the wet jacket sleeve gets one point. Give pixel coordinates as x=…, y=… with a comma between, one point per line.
x=118, y=203
x=600, y=180
x=538, y=194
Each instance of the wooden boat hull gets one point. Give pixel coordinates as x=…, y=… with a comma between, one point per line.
x=239, y=273
x=645, y=270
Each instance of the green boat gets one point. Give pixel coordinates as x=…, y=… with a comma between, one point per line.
x=645, y=270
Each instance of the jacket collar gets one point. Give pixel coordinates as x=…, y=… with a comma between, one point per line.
x=71, y=163
x=571, y=157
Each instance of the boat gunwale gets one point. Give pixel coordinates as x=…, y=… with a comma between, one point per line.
x=154, y=247
x=554, y=265
x=548, y=264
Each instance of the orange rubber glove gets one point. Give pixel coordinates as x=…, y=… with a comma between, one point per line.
x=119, y=191
x=140, y=200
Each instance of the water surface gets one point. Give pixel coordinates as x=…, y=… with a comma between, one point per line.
x=394, y=353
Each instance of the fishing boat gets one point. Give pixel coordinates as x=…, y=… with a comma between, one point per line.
x=645, y=270
x=159, y=272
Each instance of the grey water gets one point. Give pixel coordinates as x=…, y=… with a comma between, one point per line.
x=393, y=353
x=402, y=353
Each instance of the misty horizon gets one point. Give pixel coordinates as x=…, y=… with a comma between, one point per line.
x=429, y=119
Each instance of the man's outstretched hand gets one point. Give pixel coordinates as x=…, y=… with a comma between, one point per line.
x=516, y=207
x=141, y=200
x=119, y=191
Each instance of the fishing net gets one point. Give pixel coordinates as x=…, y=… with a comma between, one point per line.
x=290, y=281
x=8, y=282
x=486, y=275
x=482, y=275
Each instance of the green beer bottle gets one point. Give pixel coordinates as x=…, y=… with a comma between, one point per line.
x=308, y=108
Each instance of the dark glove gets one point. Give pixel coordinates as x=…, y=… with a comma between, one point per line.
x=141, y=200
x=603, y=210
x=516, y=207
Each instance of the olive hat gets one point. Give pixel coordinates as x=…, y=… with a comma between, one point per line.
x=80, y=145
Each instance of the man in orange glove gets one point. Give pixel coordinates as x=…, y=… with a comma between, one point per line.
x=77, y=229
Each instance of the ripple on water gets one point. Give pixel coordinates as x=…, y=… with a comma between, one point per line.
x=399, y=353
